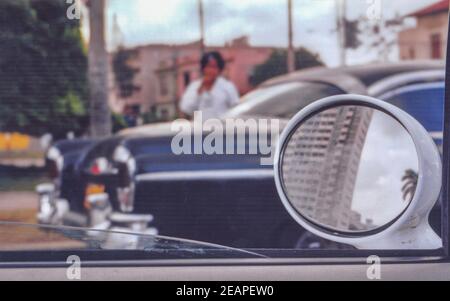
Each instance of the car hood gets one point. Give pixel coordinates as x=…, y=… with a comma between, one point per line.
x=157, y=138
x=155, y=129
x=165, y=129
x=155, y=141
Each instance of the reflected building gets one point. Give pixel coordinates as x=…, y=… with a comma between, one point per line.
x=321, y=166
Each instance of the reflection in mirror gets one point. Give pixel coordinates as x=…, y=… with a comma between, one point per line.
x=350, y=169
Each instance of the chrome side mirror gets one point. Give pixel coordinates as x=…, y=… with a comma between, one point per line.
x=359, y=171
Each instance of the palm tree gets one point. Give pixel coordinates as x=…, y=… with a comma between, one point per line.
x=410, y=179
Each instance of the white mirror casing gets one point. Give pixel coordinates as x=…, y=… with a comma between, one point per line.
x=411, y=229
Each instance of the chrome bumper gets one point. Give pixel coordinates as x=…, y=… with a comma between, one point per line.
x=51, y=209
x=135, y=223
x=102, y=217
x=56, y=211
x=123, y=226
x=99, y=211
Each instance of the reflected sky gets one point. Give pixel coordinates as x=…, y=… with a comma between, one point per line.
x=388, y=152
x=344, y=168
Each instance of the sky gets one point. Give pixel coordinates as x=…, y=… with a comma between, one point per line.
x=378, y=188
x=264, y=21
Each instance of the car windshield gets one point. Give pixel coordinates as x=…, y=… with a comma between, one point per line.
x=40, y=238
x=159, y=128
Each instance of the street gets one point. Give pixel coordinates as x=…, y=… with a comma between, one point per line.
x=21, y=207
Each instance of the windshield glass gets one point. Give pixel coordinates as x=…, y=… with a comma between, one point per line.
x=26, y=237
x=129, y=117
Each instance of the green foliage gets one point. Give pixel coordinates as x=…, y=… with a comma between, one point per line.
x=124, y=73
x=71, y=104
x=150, y=117
x=43, y=69
x=277, y=64
x=118, y=122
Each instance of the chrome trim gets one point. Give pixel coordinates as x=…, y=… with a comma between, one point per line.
x=132, y=223
x=75, y=219
x=55, y=155
x=100, y=200
x=125, y=195
x=45, y=188
x=121, y=154
x=131, y=218
x=99, y=211
x=46, y=203
x=316, y=261
x=224, y=174
x=437, y=135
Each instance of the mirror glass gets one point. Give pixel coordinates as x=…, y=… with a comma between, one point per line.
x=350, y=169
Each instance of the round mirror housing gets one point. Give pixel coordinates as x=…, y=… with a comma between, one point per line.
x=360, y=171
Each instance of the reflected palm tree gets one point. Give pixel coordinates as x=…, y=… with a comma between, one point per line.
x=410, y=179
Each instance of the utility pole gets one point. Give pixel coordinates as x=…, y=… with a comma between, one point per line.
x=202, y=26
x=100, y=114
x=341, y=17
x=291, y=50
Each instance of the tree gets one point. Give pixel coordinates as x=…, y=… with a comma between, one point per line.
x=100, y=115
x=410, y=179
x=124, y=74
x=352, y=34
x=276, y=64
x=382, y=36
x=43, y=66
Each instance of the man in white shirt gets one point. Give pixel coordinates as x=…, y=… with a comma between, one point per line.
x=213, y=95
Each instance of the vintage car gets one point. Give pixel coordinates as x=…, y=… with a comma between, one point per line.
x=134, y=181
x=392, y=237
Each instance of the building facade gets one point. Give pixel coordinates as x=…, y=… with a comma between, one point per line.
x=166, y=70
x=428, y=40
x=146, y=59
x=323, y=161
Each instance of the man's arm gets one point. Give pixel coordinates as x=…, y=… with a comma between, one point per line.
x=189, y=101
